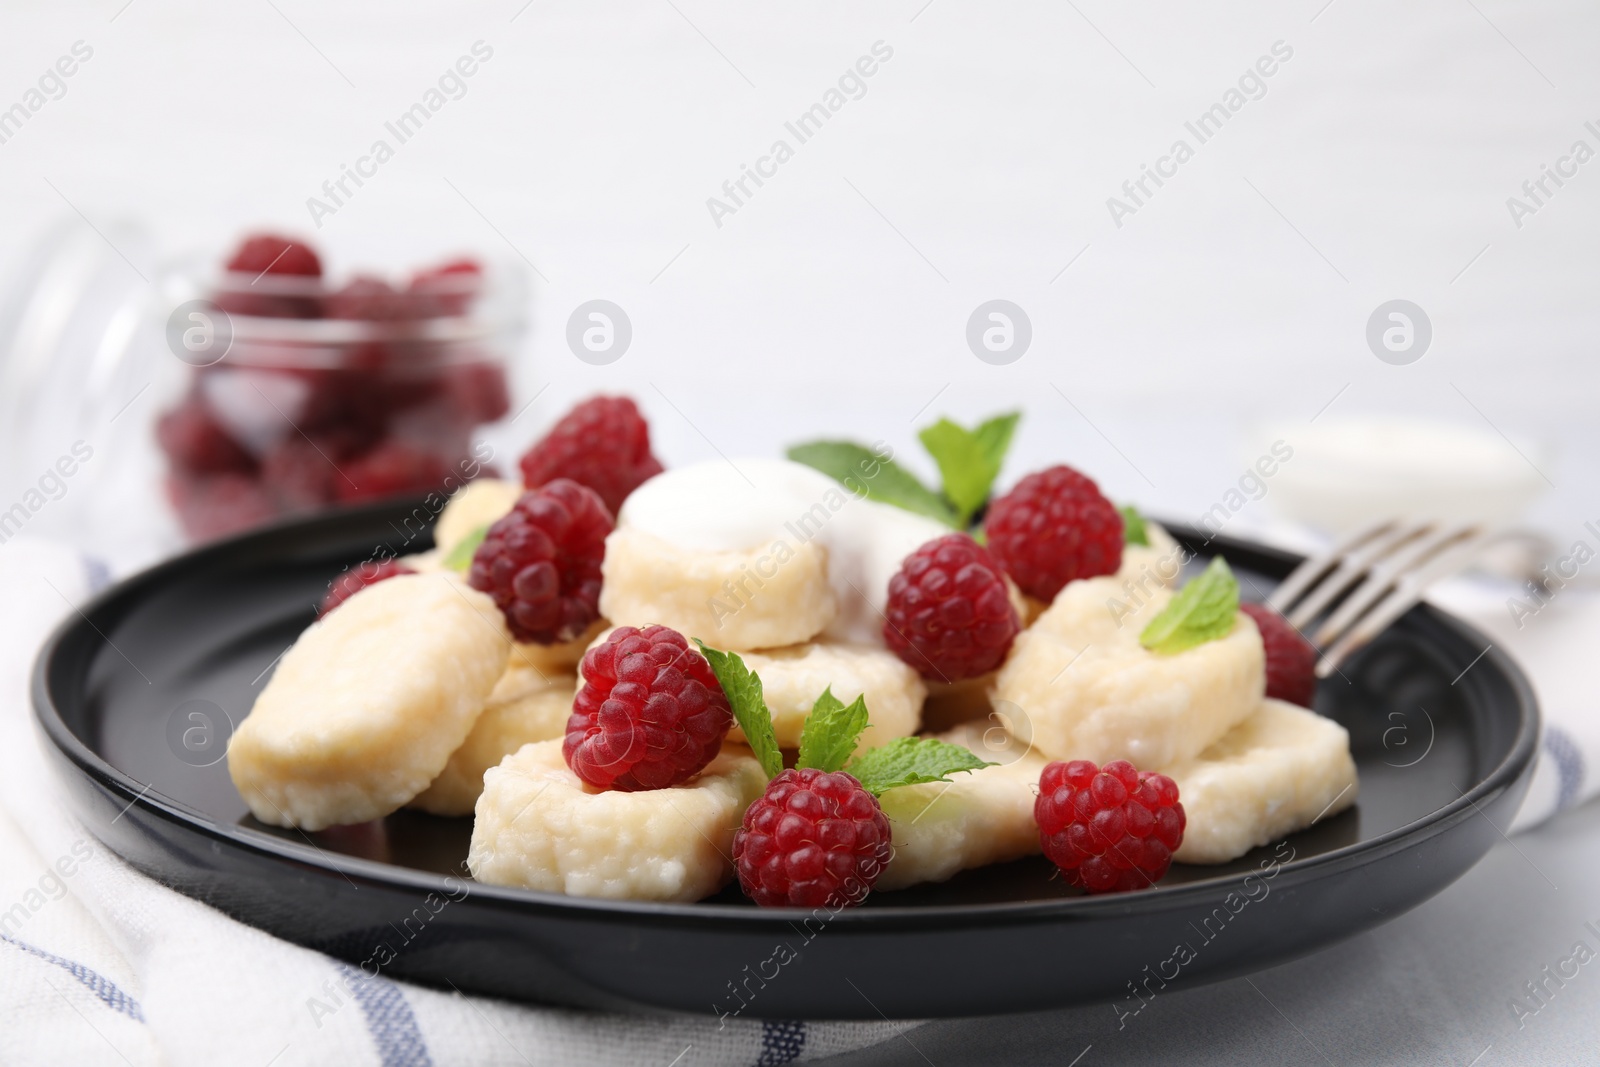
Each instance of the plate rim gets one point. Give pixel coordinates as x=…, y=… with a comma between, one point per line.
x=49, y=719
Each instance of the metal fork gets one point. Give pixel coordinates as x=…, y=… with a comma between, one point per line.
x=1398, y=560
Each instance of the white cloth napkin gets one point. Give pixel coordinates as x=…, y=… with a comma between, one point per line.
x=99, y=964
x=103, y=965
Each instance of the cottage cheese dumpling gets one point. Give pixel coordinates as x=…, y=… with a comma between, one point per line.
x=365, y=709
x=525, y=706
x=1279, y=771
x=1156, y=564
x=1089, y=690
x=765, y=597
x=562, y=657
x=475, y=504
x=793, y=678
x=977, y=818
x=541, y=827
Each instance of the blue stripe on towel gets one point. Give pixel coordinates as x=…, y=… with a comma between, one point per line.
x=1568, y=759
x=390, y=1020
x=781, y=1042
x=102, y=987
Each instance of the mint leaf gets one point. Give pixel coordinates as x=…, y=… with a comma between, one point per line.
x=911, y=761
x=460, y=557
x=1204, y=610
x=861, y=470
x=831, y=732
x=743, y=688
x=1133, y=531
x=969, y=460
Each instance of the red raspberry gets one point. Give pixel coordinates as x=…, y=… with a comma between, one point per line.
x=478, y=390
x=603, y=443
x=358, y=578
x=949, y=614
x=393, y=468
x=217, y=505
x=447, y=289
x=270, y=254
x=1291, y=659
x=541, y=562
x=369, y=299
x=1052, y=528
x=300, y=476
x=650, y=714
x=194, y=441
x=812, y=840
x=1111, y=828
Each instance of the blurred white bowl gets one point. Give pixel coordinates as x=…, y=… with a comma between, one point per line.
x=1347, y=473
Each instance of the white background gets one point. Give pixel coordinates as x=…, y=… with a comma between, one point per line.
x=977, y=165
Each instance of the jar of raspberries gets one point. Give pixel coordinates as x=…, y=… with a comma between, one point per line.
x=308, y=391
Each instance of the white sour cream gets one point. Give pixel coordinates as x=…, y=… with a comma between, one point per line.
x=746, y=504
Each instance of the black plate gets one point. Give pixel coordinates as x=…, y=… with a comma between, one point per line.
x=1444, y=758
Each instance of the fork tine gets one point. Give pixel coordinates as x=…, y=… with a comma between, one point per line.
x=1406, y=593
x=1300, y=579
x=1351, y=568
x=1386, y=574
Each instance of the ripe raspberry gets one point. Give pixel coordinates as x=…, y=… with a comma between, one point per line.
x=447, y=289
x=1291, y=659
x=603, y=443
x=1111, y=828
x=393, y=468
x=814, y=839
x=194, y=441
x=268, y=253
x=1053, y=527
x=478, y=391
x=650, y=714
x=301, y=476
x=358, y=578
x=541, y=562
x=949, y=614
x=368, y=299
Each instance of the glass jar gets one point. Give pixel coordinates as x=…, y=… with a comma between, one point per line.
x=188, y=402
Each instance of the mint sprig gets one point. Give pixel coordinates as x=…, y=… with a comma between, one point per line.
x=831, y=732
x=969, y=460
x=1133, y=528
x=749, y=704
x=911, y=761
x=460, y=557
x=863, y=471
x=1204, y=610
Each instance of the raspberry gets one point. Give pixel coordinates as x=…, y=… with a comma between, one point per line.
x=299, y=475
x=1053, y=527
x=650, y=714
x=358, y=578
x=369, y=299
x=447, y=289
x=949, y=614
x=1291, y=659
x=217, y=505
x=270, y=254
x=478, y=390
x=393, y=468
x=603, y=443
x=812, y=840
x=541, y=562
x=1111, y=828
x=195, y=441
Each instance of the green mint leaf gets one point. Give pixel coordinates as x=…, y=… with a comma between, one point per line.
x=995, y=436
x=1204, y=610
x=460, y=557
x=743, y=688
x=911, y=761
x=831, y=732
x=1133, y=531
x=862, y=471
x=969, y=460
